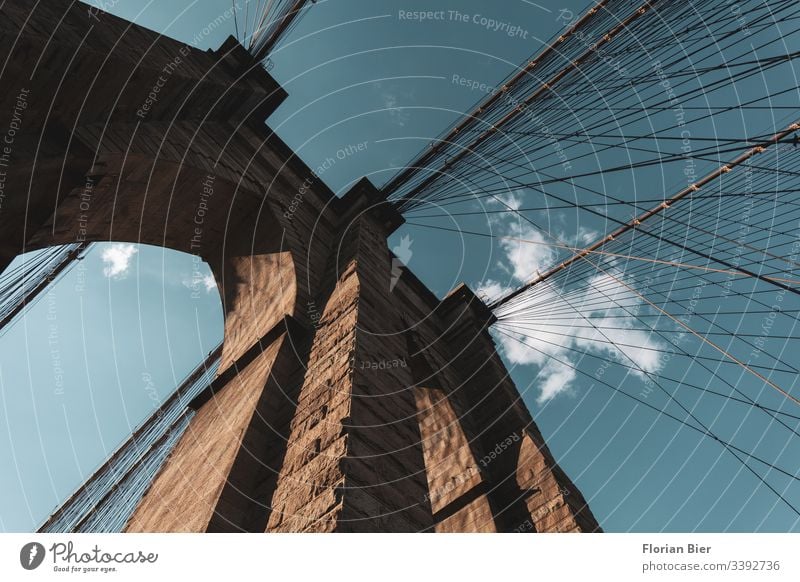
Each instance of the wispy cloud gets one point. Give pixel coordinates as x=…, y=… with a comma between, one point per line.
x=525, y=258
x=589, y=321
x=200, y=281
x=399, y=116
x=526, y=251
x=209, y=283
x=490, y=289
x=586, y=236
x=389, y=99
x=117, y=259
x=557, y=378
x=586, y=320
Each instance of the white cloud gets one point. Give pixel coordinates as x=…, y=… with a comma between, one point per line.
x=199, y=280
x=588, y=320
x=586, y=236
x=526, y=249
x=527, y=255
x=398, y=115
x=558, y=378
x=510, y=200
x=491, y=290
x=389, y=100
x=117, y=259
x=632, y=345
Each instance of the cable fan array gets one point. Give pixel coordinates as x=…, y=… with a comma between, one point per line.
x=693, y=298
x=107, y=499
x=709, y=287
x=22, y=284
x=264, y=23
x=628, y=89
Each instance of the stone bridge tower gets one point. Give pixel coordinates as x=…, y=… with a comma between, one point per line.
x=339, y=405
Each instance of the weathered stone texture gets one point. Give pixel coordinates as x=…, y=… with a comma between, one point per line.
x=347, y=400
x=185, y=493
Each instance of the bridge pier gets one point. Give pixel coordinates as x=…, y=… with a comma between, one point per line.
x=349, y=397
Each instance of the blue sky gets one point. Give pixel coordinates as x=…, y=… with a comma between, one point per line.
x=97, y=353
x=128, y=328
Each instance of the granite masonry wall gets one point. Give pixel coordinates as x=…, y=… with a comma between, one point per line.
x=347, y=399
